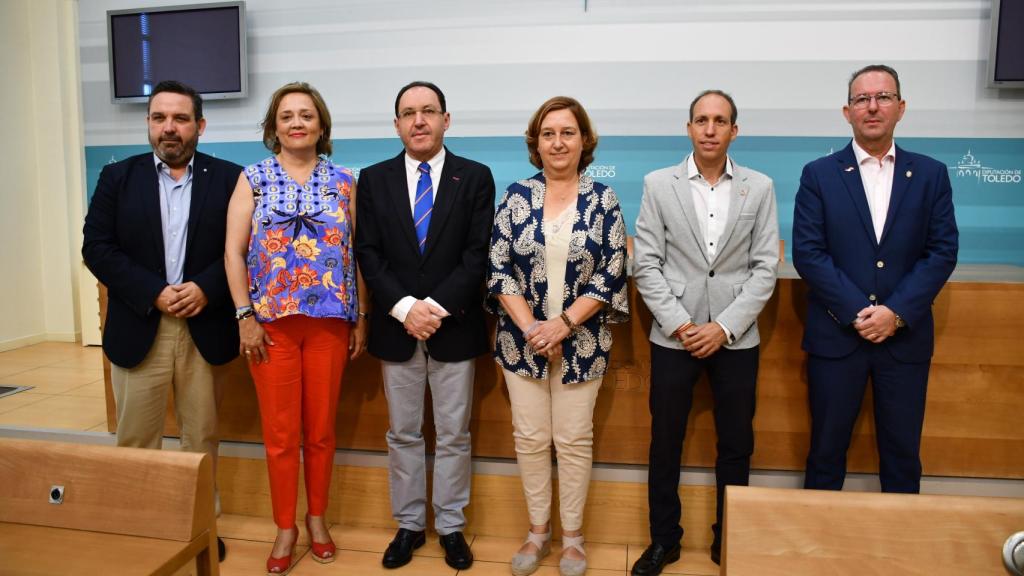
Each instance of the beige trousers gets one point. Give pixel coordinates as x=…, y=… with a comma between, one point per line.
x=546, y=412
x=141, y=393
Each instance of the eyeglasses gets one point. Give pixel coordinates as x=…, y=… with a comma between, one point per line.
x=428, y=113
x=883, y=99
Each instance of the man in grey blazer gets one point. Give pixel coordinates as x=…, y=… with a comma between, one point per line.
x=706, y=256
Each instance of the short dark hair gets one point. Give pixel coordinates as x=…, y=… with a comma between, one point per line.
x=269, y=124
x=732, y=117
x=874, y=68
x=176, y=87
x=421, y=84
x=586, y=130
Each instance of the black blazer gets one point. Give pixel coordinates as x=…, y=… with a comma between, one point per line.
x=124, y=249
x=451, y=268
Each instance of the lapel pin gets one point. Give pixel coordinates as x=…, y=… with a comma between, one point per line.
x=849, y=168
x=909, y=173
x=456, y=178
x=204, y=170
x=743, y=191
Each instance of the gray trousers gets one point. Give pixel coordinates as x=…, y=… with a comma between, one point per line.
x=451, y=388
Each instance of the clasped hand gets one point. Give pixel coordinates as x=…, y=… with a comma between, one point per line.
x=701, y=340
x=181, y=300
x=423, y=320
x=546, y=337
x=875, y=323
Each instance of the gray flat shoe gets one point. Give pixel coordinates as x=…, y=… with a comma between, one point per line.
x=526, y=564
x=570, y=566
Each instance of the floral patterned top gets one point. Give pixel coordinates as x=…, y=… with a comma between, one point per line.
x=596, y=268
x=300, y=252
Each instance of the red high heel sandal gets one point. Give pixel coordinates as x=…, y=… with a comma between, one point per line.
x=322, y=553
x=282, y=566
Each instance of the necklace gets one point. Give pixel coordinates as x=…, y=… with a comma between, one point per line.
x=555, y=225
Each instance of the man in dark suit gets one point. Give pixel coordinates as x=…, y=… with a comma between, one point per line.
x=875, y=239
x=424, y=226
x=154, y=235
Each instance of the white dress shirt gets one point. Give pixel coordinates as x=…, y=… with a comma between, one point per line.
x=412, y=177
x=876, y=175
x=711, y=204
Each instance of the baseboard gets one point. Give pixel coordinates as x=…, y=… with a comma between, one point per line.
x=13, y=343
x=63, y=336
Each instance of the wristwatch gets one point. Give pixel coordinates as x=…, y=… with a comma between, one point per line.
x=243, y=312
x=899, y=322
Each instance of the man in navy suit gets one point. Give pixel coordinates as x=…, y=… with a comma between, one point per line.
x=424, y=231
x=875, y=239
x=154, y=235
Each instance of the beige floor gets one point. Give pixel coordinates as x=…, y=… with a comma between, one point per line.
x=67, y=381
x=68, y=394
x=248, y=540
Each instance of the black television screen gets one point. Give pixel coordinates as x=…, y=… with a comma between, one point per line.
x=201, y=45
x=1006, y=55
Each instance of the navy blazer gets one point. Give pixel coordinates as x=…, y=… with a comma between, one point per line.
x=123, y=246
x=846, y=269
x=451, y=268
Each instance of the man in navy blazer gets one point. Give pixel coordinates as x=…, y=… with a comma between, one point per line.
x=875, y=239
x=154, y=235
x=424, y=228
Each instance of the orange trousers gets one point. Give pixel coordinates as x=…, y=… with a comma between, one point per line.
x=298, y=395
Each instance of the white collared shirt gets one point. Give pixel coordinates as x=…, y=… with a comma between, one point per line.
x=876, y=175
x=710, y=203
x=412, y=177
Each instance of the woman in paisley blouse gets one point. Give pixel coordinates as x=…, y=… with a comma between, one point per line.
x=293, y=278
x=557, y=278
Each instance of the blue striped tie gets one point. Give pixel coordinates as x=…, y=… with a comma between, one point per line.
x=424, y=204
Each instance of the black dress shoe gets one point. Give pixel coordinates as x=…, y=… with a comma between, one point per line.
x=399, y=552
x=222, y=550
x=456, y=552
x=716, y=551
x=654, y=560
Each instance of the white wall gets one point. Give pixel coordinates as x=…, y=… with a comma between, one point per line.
x=40, y=223
x=634, y=64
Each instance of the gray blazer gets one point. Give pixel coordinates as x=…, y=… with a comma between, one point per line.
x=672, y=270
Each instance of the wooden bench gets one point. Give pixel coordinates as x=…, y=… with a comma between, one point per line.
x=772, y=531
x=125, y=511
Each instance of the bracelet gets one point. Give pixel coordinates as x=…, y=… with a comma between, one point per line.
x=243, y=312
x=363, y=315
x=532, y=327
x=683, y=328
x=568, y=321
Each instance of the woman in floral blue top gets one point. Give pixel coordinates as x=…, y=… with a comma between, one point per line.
x=557, y=278
x=293, y=278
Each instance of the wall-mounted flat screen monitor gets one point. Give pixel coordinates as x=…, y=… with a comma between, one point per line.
x=1006, y=53
x=202, y=45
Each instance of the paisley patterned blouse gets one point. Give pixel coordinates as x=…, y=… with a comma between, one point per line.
x=300, y=252
x=596, y=269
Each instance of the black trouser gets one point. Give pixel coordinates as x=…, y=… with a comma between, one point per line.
x=733, y=378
